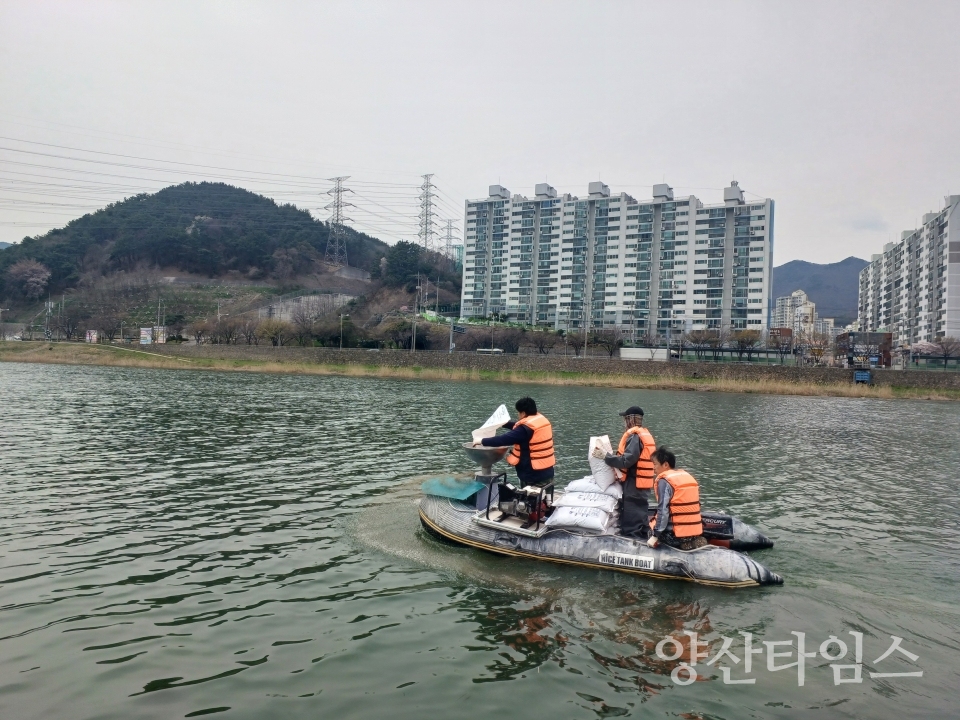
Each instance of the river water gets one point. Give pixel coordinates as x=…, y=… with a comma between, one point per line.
x=176, y=544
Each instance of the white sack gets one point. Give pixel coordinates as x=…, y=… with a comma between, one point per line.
x=495, y=421
x=602, y=473
x=585, y=484
x=579, y=518
x=588, y=484
x=587, y=500
x=615, y=490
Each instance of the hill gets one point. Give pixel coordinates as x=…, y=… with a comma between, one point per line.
x=833, y=286
x=209, y=229
x=4, y=245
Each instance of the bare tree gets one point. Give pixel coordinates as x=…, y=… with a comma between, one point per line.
x=248, y=330
x=682, y=342
x=818, y=344
x=482, y=337
x=718, y=342
x=542, y=340
x=68, y=324
x=303, y=325
x=700, y=341
x=576, y=341
x=227, y=331
x=278, y=332
x=947, y=347
x=745, y=341
x=199, y=330
x=781, y=340
x=510, y=339
x=609, y=339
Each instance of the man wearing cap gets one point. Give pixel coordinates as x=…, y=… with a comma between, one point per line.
x=634, y=468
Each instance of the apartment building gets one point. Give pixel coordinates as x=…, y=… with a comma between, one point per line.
x=667, y=264
x=799, y=313
x=912, y=288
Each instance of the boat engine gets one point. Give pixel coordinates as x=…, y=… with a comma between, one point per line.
x=530, y=504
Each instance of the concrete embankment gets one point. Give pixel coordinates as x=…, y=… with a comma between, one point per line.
x=613, y=368
x=548, y=369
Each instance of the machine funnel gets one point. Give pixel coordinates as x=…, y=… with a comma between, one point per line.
x=485, y=457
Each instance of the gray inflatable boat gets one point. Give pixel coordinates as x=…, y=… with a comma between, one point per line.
x=457, y=521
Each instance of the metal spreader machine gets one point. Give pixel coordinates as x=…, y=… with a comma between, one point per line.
x=499, y=503
x=522, y=510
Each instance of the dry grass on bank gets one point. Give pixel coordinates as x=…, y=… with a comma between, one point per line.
x=82, y=354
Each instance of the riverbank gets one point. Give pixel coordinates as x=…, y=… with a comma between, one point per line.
x=545, y=370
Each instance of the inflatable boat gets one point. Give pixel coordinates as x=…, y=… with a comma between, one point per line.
x=456, y=521
x=478, y=521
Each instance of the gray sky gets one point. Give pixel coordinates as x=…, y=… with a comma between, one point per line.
x=844, y=113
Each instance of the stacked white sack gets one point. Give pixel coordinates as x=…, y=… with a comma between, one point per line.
x=588, y=484
x=601, y=501
x=590, y=504
x=591, y=519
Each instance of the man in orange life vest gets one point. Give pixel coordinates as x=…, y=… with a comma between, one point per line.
x=532, y=440
x=635, y=470
x=678, y=505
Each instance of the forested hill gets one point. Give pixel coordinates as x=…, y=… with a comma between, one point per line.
x=203, y=228
x=4, y=245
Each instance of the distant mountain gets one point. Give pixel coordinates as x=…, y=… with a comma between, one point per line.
x=4, y=245
x=833, y=287
x=203, y=228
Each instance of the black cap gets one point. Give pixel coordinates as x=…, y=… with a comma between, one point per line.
x=632, y=410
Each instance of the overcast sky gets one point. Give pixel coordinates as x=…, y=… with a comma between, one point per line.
x=845, y=113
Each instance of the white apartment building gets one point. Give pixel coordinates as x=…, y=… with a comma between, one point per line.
x=662, y=265
x=912, y=288
x=794, y=311
x=799, y=313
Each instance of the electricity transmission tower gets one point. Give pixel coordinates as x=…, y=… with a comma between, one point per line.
x=448, y=239
x=336, y=254
x=426, y=233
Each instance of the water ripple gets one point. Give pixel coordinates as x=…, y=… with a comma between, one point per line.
x=177, y=544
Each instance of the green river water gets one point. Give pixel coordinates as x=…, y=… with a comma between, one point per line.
x=177, y=544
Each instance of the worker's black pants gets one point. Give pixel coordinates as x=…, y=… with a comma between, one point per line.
x=635, y=521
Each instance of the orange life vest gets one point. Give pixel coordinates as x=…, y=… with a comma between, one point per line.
x=644, y=462
x=541, y=444
x=685, y=503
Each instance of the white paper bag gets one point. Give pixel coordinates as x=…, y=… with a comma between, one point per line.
x=489, y=428
x=602, y=473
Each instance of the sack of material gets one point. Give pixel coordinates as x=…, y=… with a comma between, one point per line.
x=602, y=473
x=495, y=421
x=588, y=484
x=588, y=500
x=580, y=518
